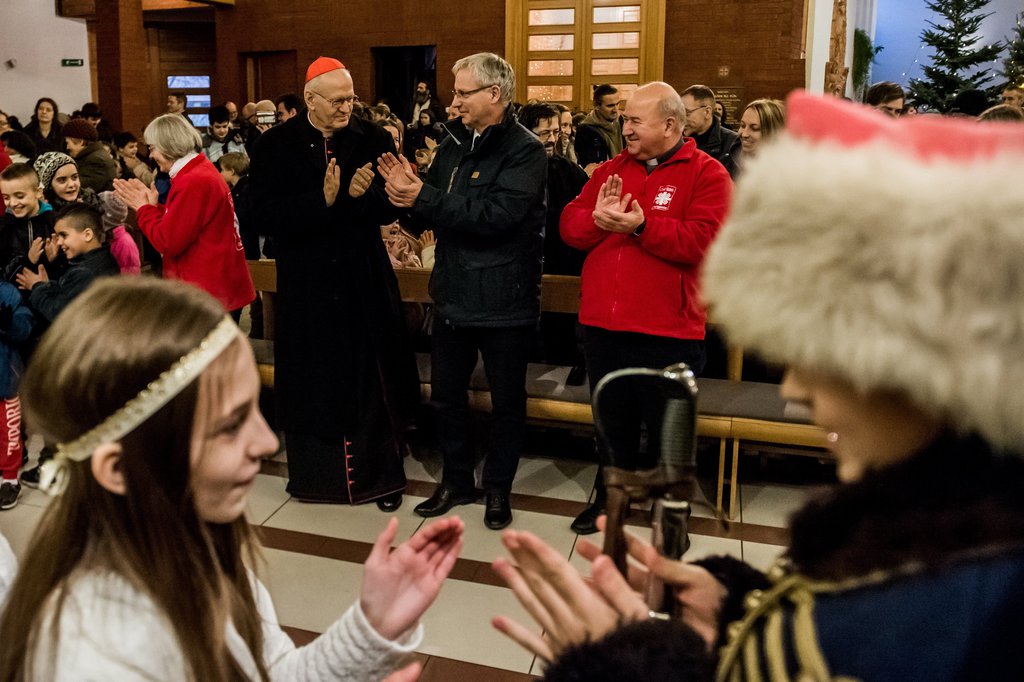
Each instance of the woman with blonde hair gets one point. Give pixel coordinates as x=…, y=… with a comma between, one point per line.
x=142, y=565
x=762, y=120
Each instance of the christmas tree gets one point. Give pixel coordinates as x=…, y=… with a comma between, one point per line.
x=1013, y=65
x=957, y=64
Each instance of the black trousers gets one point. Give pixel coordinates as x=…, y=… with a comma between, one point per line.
x=625, y=411
x=505, y=352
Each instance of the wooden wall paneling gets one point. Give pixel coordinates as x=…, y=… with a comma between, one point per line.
x=120, y=44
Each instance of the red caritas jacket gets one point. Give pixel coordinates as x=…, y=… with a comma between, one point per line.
x=650, y=283
x=195, y=233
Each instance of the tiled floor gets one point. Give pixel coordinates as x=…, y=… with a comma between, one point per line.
x=313, y=552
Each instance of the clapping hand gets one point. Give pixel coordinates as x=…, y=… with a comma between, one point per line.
x=614, y=212
x=51, y=248
x=401, y=183
x=27, y=279
x=361, y=181
x=332, y=182
x=427, y=238
x=561, y=601
x=697, y=591
x=134, y=194
x=399, y=584
x=35, y=250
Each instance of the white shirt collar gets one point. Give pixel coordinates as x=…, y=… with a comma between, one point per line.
x=181, y=163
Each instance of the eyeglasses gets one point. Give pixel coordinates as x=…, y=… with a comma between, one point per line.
x=695, y=109
x=463, y=94
x=338, y=103
x=545, y=134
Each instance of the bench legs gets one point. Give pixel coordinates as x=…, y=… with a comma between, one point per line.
x=733, y=477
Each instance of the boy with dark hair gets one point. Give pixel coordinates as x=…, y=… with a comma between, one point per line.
x=27, y=225
x=79, y=234
x=220, y=139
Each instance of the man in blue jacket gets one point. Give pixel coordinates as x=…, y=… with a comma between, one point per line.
x=484, y=197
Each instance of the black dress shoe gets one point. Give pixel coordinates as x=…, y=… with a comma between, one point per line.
x=577, y=375
x=443, y=499
x=498, y=511
x=586, y=522
x=389, y=503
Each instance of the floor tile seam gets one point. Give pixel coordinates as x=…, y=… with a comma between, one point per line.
x=273, y=513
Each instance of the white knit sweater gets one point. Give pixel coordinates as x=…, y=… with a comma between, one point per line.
x=108, y=630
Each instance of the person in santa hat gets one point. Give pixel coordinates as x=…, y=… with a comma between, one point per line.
x=345, y=374
x=895, y=300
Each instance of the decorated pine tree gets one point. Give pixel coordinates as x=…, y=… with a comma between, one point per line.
x=958, y=62
x=1013, y=65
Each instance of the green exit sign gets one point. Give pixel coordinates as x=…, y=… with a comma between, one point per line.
x=72, y=62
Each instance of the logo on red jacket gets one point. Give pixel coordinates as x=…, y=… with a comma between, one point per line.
x=664, y=197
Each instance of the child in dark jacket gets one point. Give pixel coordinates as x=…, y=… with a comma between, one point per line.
x=79, y=233
x=27, y=224
x=15, y=327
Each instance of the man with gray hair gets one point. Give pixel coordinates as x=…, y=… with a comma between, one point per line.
x=484, y=198
x=645, y=219
x=345, y=375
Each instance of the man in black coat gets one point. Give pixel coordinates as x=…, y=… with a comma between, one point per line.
x=484, y=199
x=711, y=137
x=345, y=375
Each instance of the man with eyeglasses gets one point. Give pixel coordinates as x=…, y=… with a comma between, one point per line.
x=565, y=179
x=707, y=131
x=484, y=199
x=345, y=375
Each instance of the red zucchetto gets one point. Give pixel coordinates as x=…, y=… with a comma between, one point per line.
x=321, y=66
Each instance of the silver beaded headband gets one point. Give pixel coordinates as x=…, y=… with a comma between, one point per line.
x=159, y=392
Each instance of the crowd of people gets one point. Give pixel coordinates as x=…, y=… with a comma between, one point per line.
x=891, y=297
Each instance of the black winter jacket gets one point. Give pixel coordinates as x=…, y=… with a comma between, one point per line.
x=487, y=209
x=721, y=144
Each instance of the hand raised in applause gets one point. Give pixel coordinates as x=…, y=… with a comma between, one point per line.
x=614, y=212
x=27, y=279
x=427, y=238
x=400, y=182
x=564, y=605
x=35, y=250
x=696, y=590
x=361, y=181
x=399, y=584
x=134, y=194
x=51, y=248
x=332, y=182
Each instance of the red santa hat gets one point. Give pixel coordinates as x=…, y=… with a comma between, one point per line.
x=887, y=252
x=321, y=66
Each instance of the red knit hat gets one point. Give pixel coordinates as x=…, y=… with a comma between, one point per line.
x=321, y=66
x=80, y=129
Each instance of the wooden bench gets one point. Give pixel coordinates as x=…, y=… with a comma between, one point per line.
x=729, y=409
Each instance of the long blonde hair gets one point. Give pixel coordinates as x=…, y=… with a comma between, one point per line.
x=100, y=352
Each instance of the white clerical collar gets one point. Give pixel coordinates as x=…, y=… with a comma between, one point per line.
x=181, y=163
x=325, y=133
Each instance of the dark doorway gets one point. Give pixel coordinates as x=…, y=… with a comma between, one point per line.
x=396, y=70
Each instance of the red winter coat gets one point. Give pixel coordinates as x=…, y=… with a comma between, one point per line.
x=650, y=284
x=196, y=235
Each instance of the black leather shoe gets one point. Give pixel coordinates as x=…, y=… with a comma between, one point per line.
x=443, y=499
x=390, y=503
x=497, y=511
x=577, y=375
x=586, y=522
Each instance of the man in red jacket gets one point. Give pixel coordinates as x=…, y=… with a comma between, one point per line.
x=646, y=219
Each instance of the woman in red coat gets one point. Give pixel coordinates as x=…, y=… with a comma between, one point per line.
x=195, y=231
